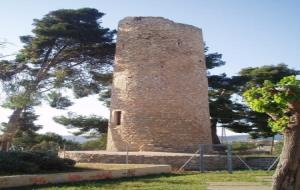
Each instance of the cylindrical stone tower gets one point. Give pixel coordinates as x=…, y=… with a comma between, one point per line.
x=159, y=94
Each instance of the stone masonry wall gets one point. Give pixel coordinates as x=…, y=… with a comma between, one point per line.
x=14, y=181
x=160, y=92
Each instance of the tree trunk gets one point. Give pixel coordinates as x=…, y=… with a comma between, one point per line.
x=11, y=130
x=287, y=174
x=215, y=138
x=13, y=123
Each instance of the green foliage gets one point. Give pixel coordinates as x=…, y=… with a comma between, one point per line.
x=6, y=70
x=66, y=27
x=223, y=110
x=279, y=124
x=243, y=146
x=26, y=123
x=257, y=75
x=213, y=60
x=68, y=48
x=32, y=162
x=58, y=101
x=95, y=144
x=92, y=126
x=46, y=146
x=255, y=123
x=20, y=100
x=273, y=99
x=262, y=99
x=49, y=142
x=26, y=138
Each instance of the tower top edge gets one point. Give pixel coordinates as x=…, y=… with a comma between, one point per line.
x=135, y=20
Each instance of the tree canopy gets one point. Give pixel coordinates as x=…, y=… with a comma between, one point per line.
x=68, y=49
x=255, y=123
x=276, y=100
x=281, y=102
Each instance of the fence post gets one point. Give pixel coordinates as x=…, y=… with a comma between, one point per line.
x=201, y=158
x=229, y=158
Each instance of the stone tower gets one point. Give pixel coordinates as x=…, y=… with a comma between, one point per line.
x=159, y=93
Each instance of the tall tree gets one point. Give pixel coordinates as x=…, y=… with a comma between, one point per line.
x=228, y=111
x=255, y=76
x=224, y=111
x=221, y=107
x=281, y=101
x=254, y=123
x=68, y=49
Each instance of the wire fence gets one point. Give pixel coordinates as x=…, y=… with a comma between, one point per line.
x=224, y=157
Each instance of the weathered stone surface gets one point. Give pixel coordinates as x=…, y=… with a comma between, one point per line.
x=159, y=94
x=42, y=179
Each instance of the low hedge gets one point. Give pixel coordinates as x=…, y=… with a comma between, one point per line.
x=33, y=162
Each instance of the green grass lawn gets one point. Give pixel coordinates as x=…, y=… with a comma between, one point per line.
x=185, y=181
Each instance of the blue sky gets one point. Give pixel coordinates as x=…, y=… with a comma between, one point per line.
x=247, y=33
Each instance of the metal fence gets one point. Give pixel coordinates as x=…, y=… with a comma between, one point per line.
x=210, y=157
x=212, y=148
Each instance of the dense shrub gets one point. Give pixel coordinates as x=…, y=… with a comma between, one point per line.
x=32, y=162
x=48, y=142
